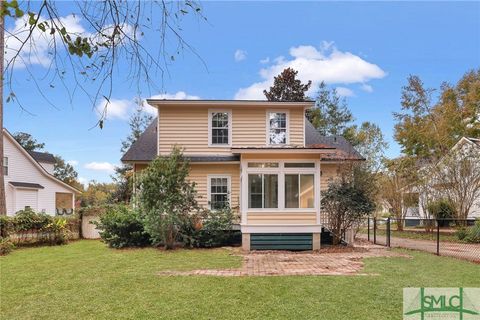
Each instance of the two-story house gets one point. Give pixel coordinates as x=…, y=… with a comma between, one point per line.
x=263, y=158
x=30, y=183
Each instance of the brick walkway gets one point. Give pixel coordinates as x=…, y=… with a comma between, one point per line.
x=271, y=263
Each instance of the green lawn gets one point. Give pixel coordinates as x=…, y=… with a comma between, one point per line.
x=86, y=280
x=420, y=235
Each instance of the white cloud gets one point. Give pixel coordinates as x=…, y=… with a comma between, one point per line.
x=115, y=108
x=179, y=95
x=240, y=55
x=100, y=166
x=72, y=162
x=265, y=60
x=366, y=87
x=326, y=63
x=83, y=180
x=344, y=92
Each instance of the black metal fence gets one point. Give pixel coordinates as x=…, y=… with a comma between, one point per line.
x=449, y=237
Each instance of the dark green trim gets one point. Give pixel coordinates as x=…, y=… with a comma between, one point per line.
x=281, y=241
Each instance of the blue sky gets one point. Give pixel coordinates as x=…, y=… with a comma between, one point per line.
x=367, y=50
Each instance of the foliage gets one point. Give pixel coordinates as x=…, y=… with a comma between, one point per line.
x=166, y=197
x=6, y=246
x=441, y=209
x=122, y=227
x=30, y=220
x=370, y=142
x=209, y=228
x=6, y=226
x=395, y=184
x=65, y=171
x=56, y=232
x=331, y=115
x=471, y=235
x=425, y=128
x=97, y=194
x=286, y=87
x=123, y=176
x=345, y=205
x=27, y=141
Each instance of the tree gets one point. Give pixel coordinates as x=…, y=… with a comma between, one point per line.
x=113, y=34
x=97, y=194
x=456, y=177
x=345, y=205
x=65, y=171
x=369, y=140
x=286, y=87
x=331, y=115
x=123, y=176
x=396, y=182
x=28, y=142
x=428, y=129
x=166, y=197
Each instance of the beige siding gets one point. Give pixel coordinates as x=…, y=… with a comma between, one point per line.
x=329, y=173
x=199, y=174
x=188, y=128
x=281, y=218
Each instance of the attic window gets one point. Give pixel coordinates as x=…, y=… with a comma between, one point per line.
x=219, y=128
x=277, y=128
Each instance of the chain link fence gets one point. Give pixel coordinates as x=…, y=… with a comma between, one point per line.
x=447, y=237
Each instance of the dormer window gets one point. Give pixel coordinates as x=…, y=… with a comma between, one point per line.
x=277, y=128
x=220, y=127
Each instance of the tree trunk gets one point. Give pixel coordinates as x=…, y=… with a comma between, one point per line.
x=3, y=203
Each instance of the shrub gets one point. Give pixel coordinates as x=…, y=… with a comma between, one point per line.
x=27, y=219
x=441, y=209
x=6, y=226
x=56, y=232
x=461, y=233
x=6, y=246
x=209, y=229
x=122, y=227
x=166, y=198
x=471, y=235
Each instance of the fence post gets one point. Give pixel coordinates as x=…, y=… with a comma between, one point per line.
x=388, y=232
x=368, y=227
x=438, y=238
x=374, y=230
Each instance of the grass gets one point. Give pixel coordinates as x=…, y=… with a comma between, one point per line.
x=86, y=280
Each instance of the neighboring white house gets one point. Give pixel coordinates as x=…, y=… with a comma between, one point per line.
x=29, y=181
x=460, y=145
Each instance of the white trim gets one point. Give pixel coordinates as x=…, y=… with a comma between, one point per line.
x=239, y=150
x=229, y=187
x=35, y=163
x=267, y=126
x=280, y=171
x=159, y=102
x=243, y=191
x=158, y=132
x=229, y=113
x=281, y=228
x=303, y=131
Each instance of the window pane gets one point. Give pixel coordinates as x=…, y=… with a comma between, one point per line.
x=220, y=120
x=291, y=191
x=270, y=187
x=219, y=136
x=219, y=201
x=254, y=190
x=300, y=165
x=263, y=165
x=220, y=128
x=278, y=136
x=307, y=194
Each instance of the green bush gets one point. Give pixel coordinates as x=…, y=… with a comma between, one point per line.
x=471, y=235
x=122, y=227
x=461, y=233
x=209, y=229
x=6, y=226
x=55, y=232
x=6, y=246
x=28, y=219
x=441, y=209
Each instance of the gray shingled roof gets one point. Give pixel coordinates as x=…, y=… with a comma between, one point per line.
x=26, y=185
x=145, y=148
x=44, y=157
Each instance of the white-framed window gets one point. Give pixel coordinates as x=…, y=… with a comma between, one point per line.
x=299, y=190
x=5, y=166
x=282, y=185
x=219, y=128
x=277, y=127
x=262, y=190
x=219, y=187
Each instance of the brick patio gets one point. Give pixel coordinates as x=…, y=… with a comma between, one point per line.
x=275, y=263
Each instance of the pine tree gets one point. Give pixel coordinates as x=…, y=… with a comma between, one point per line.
x=286, y=87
